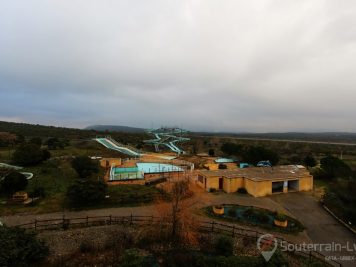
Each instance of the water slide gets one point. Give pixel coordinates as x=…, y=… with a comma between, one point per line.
x=169, y=145
x=28, y=175
x=175, y=148
x=112, y=144
x=168, y=140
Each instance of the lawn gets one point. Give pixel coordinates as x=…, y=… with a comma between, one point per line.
x=55, y=176
x=132, y=194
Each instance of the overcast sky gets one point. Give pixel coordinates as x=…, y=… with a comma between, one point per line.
x=261, y=66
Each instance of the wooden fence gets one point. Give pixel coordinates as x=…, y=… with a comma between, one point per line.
x=205, y=226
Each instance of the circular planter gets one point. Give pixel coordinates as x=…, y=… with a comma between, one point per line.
x=218, y=210
x=281, y=223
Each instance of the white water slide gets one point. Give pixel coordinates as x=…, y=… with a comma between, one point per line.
x=112, y=144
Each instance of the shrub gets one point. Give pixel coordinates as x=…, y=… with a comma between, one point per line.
x=256, y=215
x=262, y=217
x=132, y=258
x=280, y=217
x=212, y=190
x=86, y=193
x=278, y=260
x=223, y=246
x=254, y=154
x=248, y=213
x=46, y=154
x=14, y=182
x=231, y=149
x=334, y=167
x=38, y=191
x=222, y=166
x=309, y=161
x=232, y=212
x=240, y=261
x=54, y=143
x=185, y=257
x=36, y=140
x=84, y=166
x=29, y=154
x=20, y=248
x=242, y=190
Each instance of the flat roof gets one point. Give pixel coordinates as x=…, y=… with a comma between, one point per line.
x=283, y=172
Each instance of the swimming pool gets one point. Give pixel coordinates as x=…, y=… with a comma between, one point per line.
x=224, y=160
x=157, y=167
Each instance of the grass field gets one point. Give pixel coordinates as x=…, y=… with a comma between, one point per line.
x=56, y=175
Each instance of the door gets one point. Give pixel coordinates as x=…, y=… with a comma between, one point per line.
x=221, y=183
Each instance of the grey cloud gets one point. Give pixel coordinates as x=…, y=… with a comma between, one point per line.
x=219, y=65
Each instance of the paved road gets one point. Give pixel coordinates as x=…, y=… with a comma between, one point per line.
x=201, y=199
x=322, y=228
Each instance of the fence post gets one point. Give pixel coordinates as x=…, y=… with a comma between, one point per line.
x=212, y=227
x=110, y=219
x=35, y=224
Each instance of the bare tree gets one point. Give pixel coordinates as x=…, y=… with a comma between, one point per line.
x=175, y=214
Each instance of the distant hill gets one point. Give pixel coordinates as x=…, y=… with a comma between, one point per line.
x=339, y=137
x=115, y=128
x=35, y=130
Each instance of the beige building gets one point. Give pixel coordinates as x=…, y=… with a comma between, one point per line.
x=258, y=181
x=107, y=162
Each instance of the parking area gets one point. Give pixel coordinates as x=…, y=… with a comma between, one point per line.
x=322, y=228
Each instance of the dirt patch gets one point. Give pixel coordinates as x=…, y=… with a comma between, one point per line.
x=64, y=243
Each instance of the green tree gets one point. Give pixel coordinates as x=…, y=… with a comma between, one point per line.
x=223, y=246
x=86, y=192
x=211, y=152
x=28, y=154
x=46, y=154
x=54, y=143
x=36, y=141
x=13, y=182
x=334, y=167
x=20, y=248
x=309, y=161
x=84, y=166
x=20, y=139
x=254, y=154
x=231, y=149
x=132, y=258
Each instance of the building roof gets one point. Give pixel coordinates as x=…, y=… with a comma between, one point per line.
x=284, y=172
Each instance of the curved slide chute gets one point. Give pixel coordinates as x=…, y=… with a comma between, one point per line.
x=112, y=144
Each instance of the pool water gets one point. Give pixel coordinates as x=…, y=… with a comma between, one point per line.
x=157, y=167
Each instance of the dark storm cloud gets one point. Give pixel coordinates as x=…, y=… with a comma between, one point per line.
x=204, y=65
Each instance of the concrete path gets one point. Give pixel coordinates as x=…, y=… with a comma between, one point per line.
x=322, y=228
x=200, y=200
